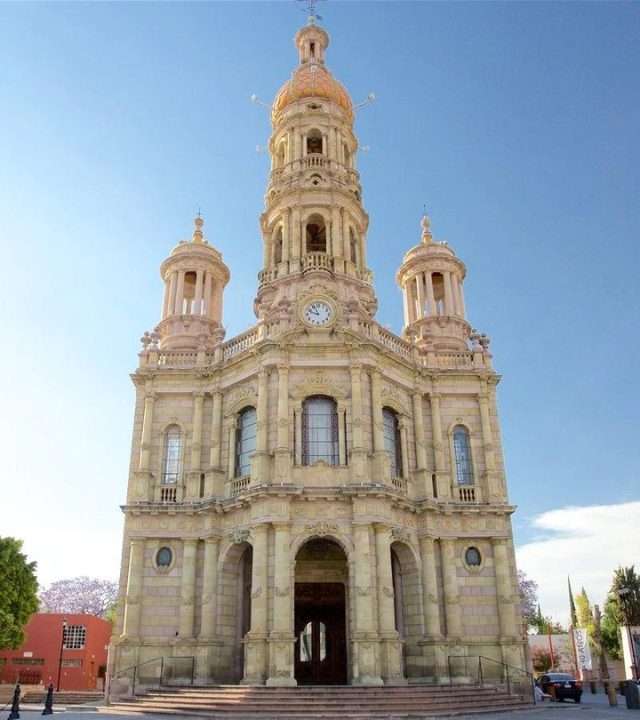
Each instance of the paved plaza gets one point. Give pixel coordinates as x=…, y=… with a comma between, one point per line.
x=593, y=707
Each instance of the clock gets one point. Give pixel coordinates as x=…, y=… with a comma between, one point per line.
x=318, y=313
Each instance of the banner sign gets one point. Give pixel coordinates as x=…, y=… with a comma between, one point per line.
x=583, y=653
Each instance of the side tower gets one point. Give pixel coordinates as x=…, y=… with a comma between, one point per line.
x=316, y=500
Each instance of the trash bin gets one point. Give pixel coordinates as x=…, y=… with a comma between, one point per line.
x=632, y=695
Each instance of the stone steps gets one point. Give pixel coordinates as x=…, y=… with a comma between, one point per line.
x=316, y=702
x=64, y=697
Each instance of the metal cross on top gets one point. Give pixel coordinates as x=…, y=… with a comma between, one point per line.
x=310, y=9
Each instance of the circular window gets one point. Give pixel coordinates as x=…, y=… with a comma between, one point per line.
x=164, y=557
x=472, y=557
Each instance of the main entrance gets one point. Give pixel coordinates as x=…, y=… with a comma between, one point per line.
x=320, y=614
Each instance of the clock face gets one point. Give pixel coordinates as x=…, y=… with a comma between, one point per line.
x=318, y=313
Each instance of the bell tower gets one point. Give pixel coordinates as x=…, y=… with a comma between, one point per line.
x=194, y=277
x=431, y=278
x=314, y=225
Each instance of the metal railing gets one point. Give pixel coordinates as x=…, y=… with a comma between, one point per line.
x=160, y=671
x=479, y=669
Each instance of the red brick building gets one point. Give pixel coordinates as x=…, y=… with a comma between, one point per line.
x=84, y=654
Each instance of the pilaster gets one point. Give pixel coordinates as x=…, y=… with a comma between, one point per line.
x=281, y=637
x=255, y=657
x=188, y=589
x=133, y=598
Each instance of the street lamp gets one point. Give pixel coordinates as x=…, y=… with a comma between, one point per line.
x=62, y=639
x=623, y=594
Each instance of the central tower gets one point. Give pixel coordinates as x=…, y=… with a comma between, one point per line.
x=314, y=226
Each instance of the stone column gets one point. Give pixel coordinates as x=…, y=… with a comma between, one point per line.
x=346, y=236
x=216, y=430
x=298, y=431
x=431, y=298
x=171, y=298
x=342, y=440
x=179, y=293
x=451, y=597
x=210, y=588
x=196, y=446
x=448, y=295
x=444, y=491
x=281, y=638
x=404, y=447
x=332, y=143
x=231, y=460
x=282, y=456
x=297, y=145
x=260, y=464
x=504, y=590
x=462, y=307
x=197, y=300
x=487, y=433
x=286, y=241
x=296, y=236
x=206, y=310
x=365, y=636
x=255, y=644
x=456, y=294
x=390, y=644
x=430, y=592
x=430, y=598
x=133, y=598
x=338, y=239
x=405, y=305
x=424, y=486
x=420, y=295
x=381, y=462
x=188, y=589
x=358, y=452
x=147, y=427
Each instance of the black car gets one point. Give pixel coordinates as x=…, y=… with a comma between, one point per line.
x=560, y=686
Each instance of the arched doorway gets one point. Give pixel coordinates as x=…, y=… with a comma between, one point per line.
x=320, y=615
x=407, y=598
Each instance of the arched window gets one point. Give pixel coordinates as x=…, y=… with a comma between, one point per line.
x=277, y=249
x=172, y=465
x=316, y=235
x=353, y=246
x=437, y=280
x=392, y=441
x=319, y=430
x=189, y=294
x=314, y=142
x=462, y=452
x=246, y=433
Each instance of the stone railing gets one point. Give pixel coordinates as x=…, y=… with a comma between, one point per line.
x=374, y=331
x=266, y=276
x=467, y=494
x=242, y=342
x=317, y=261
x=457, y=360
x=177, y=358
x=240, y=485
x=315, y=160
x=169, y=494
x=400, y=483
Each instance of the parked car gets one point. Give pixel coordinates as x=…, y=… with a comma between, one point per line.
x=560, y=686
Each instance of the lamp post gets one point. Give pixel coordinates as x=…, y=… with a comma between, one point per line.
x=623, y=596
x=62, y=639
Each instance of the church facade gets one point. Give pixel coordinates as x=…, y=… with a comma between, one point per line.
x=316, y=500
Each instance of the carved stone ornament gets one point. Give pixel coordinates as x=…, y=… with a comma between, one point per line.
x=239, y=536
x=387, y=591
x=282, y=592
x=362, y=591
x=401, y=535
x=256, y=593
x=322, y=528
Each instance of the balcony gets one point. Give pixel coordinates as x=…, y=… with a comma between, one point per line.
x=317, y=261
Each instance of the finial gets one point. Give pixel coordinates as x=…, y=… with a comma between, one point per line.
x=310, y=9
x=198, y=236
x=426, y=227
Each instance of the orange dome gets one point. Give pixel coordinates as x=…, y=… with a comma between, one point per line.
x=312, y=80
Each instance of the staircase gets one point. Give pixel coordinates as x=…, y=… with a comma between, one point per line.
x=64, y=697
x=238, y=701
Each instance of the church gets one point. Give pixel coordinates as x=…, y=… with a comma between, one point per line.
x=317, y=500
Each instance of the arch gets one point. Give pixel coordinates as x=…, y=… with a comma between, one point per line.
x=321, y=581
x=277, y=245
x=189, y=294
x=246, y=439
x=323, y=530
x=314, y=142
x=463, y=459
x=315, y=233
x=392, y=440
x=173, y=448
x=437, y=282
x=320, y=433
x=407, y=593
x=234, y=607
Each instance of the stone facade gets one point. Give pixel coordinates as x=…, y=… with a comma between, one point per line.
x=238, y=503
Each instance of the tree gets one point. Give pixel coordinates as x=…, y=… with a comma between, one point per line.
x=528, y=590
x=18, y=592
x=80, y=595
x=584, y=613
x=541, y=659
x=617, y=612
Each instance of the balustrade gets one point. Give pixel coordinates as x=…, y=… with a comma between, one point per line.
x=168, y=494
x=467, y=494
x=317, y=261
x=239, y=485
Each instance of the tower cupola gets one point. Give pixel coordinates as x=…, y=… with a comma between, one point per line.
x=194, y=277
x=431, y=278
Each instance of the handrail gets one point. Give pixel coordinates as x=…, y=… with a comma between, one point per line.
x=505, y=675
x=137, y=665
x=162, y=659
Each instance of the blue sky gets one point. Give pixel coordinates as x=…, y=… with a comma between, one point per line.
x=515, y=123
